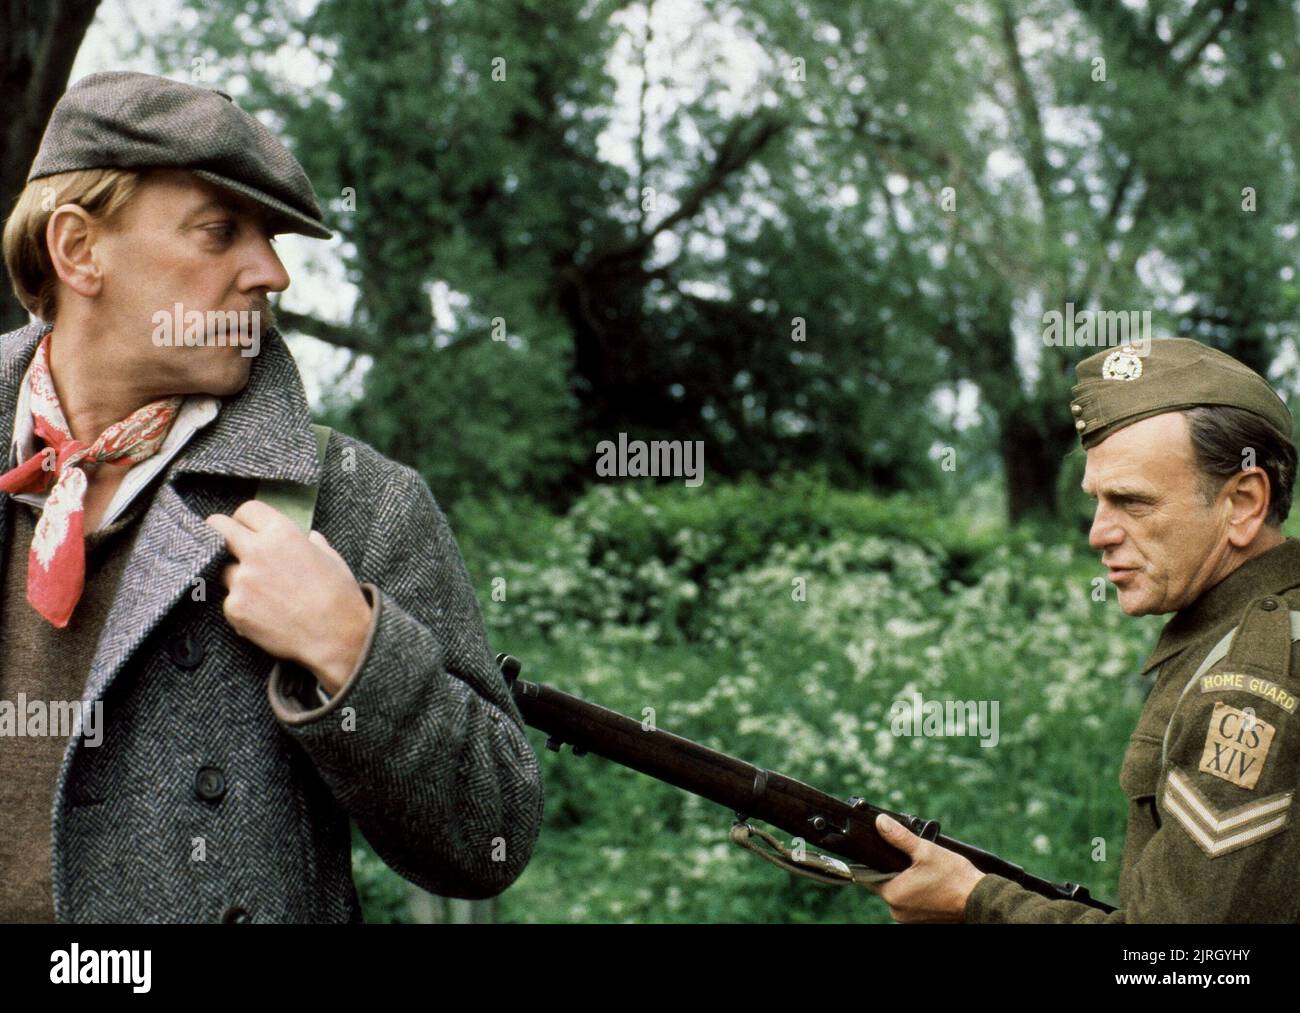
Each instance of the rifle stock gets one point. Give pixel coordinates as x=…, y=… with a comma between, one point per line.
x=845, y=828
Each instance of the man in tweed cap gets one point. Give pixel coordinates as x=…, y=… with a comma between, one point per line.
x=244, y=689
x=1191, y=460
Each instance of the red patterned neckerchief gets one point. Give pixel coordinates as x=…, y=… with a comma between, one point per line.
x=56, y=566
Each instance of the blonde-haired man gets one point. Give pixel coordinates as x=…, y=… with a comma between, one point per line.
x=238, y=689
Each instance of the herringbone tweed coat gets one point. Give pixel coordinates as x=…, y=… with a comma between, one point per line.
x=434, y=764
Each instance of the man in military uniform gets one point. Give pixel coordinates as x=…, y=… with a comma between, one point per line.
x=1190, y=459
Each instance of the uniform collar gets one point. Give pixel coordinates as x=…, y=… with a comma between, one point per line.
x=261, y=432
x=1220, y=608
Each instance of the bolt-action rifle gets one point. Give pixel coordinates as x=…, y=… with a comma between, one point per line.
x=844, y=828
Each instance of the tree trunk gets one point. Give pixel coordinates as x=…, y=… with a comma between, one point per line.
x=1031, y=461
x=38, y=44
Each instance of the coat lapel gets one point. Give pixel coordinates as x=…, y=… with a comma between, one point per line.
x=16, y=353
x=263, y=432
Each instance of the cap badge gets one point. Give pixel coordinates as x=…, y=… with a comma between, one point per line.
x=1122, y=364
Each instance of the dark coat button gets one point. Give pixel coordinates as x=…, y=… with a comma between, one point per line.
x=186, y=652
x=235, y=916
x=210, y=784
x=1268, y=604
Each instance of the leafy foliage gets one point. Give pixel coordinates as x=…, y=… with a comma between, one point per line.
x=732, y=658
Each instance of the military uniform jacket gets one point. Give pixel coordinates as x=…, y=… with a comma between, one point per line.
x=423, y=746
x=1211, y=770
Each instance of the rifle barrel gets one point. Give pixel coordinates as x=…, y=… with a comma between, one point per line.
x=845, y=828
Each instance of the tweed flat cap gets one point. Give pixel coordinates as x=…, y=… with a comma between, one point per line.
x=1119, y=387
x=125, y=120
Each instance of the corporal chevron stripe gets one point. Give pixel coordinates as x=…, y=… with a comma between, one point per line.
x=1219, y=832
x=1233, y=817
x=1216, y=847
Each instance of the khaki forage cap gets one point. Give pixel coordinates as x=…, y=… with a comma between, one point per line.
x=1119, y=386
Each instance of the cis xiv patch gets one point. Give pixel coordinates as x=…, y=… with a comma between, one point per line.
x=1236, y=745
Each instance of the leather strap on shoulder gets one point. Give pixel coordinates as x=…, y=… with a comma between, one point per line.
x=296, y=500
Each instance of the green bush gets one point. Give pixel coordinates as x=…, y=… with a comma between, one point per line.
x=642, y=563
x=749, y=621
